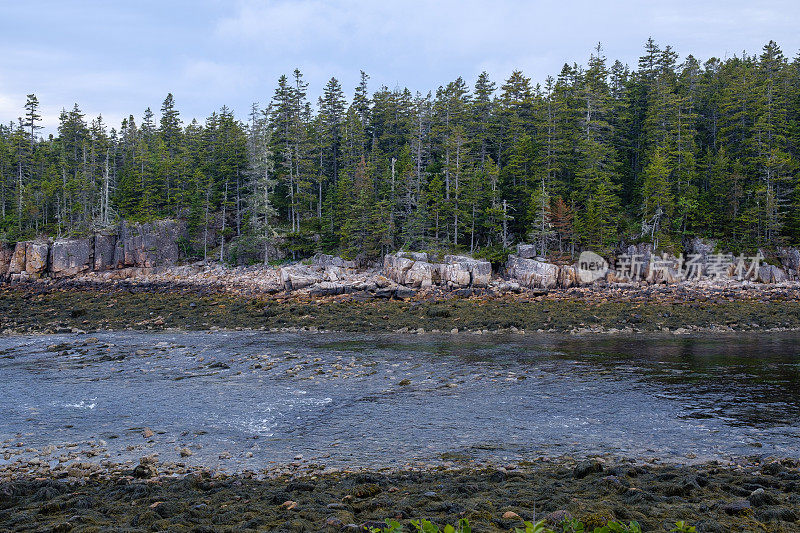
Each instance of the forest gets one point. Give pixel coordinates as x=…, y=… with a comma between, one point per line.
x=598, y=155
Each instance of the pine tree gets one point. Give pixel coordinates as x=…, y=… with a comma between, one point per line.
x=32, y=118
x=585, y=160
x=658, y=204
x=260, y=170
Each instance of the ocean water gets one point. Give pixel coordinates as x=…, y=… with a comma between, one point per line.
x=373, y=400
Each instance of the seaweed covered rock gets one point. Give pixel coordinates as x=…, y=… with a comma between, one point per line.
x=586, y=468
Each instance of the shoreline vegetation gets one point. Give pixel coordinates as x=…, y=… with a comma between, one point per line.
x=748, y=495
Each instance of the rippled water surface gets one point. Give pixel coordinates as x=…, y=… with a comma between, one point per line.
x=384, y=400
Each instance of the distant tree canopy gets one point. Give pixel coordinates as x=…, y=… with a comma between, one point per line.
x=599, y=154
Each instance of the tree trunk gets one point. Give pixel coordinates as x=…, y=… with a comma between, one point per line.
x=222, y=231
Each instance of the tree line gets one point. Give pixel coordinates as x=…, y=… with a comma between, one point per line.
x=597, y=155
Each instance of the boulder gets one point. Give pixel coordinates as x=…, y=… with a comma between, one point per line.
x=415, y=256
x=480, y=271
x=395, y=267
x=36, y=254
x=663, y=269
x=590, y=267
x=790, y=259
x=104, y=246
x=532, y=273
x=568, y=277
x=701, y=249
x=149, y=245
x=637, y=262
x=421, y=275
x=294, y=277
x=456, y=275
x=414, y=269
x=6, y=254
x=612, y=276
x=327, y=288
x=275, y=251
x=326, y=260
x=736, y=507
x=404, y=292
x=334, y=273
x=17, y=263
x=71, y=257
x=526, y=251
x=119, y=254
x=771, y=274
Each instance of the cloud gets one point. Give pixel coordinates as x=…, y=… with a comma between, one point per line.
x=119, y=58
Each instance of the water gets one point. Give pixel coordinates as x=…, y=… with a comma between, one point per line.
x=385, y=400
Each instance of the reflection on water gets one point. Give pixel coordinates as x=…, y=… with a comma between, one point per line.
x=383, y=400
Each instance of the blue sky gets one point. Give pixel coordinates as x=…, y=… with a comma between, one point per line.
x=117, y=58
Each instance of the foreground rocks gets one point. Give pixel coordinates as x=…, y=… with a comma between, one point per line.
x=156, y=496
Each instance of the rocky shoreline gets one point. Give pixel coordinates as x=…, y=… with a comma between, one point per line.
x=70, y=305
x=748, y=495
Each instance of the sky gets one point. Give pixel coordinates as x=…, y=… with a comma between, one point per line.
x=117, y=58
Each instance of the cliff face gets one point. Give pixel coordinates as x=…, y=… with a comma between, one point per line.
x=131, y=246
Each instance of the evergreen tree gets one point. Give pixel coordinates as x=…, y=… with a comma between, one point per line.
x=592, y=157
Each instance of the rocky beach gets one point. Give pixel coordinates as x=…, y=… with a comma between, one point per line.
x=746, y=497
